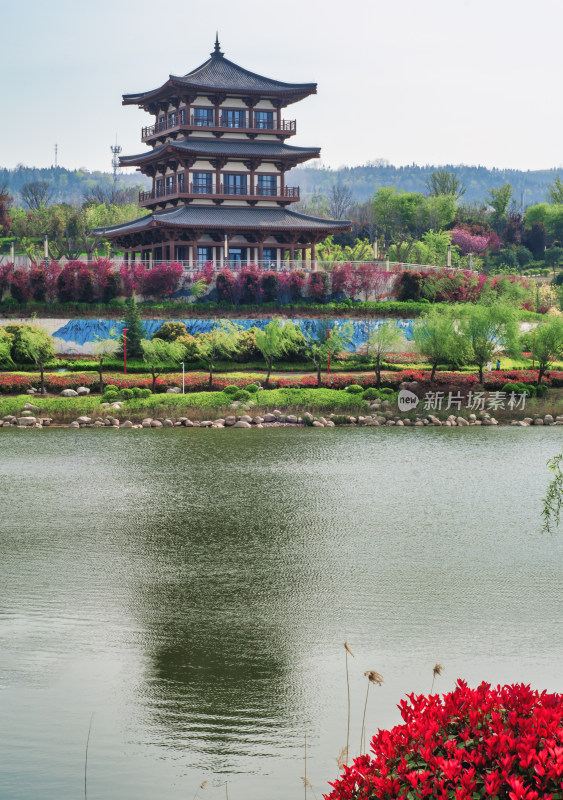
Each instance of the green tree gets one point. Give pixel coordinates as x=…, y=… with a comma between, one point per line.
x=487, y=329
x=330, y=339
x=555, y=191
x=548, y=344
x=442, y=182
x=384, y=340
x=5, y=349
x=135, y=332
x=220, y=342
x=402, y=218
x=276, y=340
x=38, y=346
x=499, y=199
x=157, y=354
x=436, y=338
x=104, y=348
x=170, y=331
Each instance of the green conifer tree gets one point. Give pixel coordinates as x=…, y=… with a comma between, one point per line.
x=135, y=333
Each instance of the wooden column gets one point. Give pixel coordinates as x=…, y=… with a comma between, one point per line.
x=291, y=255
x=279, y=117
x=261, y=254
x=314, y=257
x=282, y=182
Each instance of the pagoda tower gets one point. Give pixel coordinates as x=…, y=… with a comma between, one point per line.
x=218, y=160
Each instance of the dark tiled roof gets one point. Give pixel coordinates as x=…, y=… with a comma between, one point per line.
x=218, y=147
x=220, y=74
x=240, y=217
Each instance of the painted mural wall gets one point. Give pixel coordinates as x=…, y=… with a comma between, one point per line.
x=80, y=335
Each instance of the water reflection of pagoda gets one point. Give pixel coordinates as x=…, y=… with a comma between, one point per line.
x=218, y=162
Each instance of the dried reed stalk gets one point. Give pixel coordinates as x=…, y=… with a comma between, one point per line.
x=373, y=677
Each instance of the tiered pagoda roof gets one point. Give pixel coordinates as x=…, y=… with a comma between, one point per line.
x=220, y=74
x=243, y=148
x=230, y=218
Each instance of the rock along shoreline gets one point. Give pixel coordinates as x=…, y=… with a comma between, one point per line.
x=380, y=417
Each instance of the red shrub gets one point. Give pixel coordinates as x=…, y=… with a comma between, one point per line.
x=226, y=286
x=249, y=284
x=162, y=280
x=468, y=744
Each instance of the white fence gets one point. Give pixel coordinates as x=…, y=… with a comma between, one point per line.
x=24, y=262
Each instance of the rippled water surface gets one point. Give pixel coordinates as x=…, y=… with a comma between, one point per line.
x=192, y=590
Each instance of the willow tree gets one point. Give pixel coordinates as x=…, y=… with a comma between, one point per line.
x=276, y=340
x=220, y=342
x=386, y=339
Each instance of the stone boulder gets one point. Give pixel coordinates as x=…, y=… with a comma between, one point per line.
x=83, y=420
x=31, y=407
x=245, y=418
x=174, y=390
x=167, y=423
x=146, y=423
x=74, y=425
x=27, y=421
x=126, y=424
x=462, y=421
x=548, y=420
x=230, y=421
x=82, y=391
x=69, y=393
x=538, y=421
x=156, y=423
x=271, y=417
x=242, y=424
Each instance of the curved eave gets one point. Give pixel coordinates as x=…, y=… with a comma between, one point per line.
x=291, y=94
x=173, y=150
x=313, y=224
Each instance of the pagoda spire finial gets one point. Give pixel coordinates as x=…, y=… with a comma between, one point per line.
x=217, y=49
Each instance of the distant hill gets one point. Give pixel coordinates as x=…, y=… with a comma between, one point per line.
x=69, y=186
x=529, y=187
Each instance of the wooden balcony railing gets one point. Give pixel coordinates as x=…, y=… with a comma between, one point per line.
x=177, y=190
x=178, y=122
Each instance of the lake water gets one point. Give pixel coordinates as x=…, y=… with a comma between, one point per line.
x=192, y=590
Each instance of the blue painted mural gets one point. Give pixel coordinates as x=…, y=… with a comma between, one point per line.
x=82, y=331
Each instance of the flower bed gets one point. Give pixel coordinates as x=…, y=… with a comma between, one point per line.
x=469, y=744
x=16, y=383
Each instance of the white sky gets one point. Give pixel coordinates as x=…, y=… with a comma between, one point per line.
x=424, y=81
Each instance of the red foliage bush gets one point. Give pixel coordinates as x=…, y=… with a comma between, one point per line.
x=163, y=280
x=249, y=284
x=504, y=743
x=226, y=286
x=318, y=285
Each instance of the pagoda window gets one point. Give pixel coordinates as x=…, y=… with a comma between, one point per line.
x=234, y=119
x=267, y=185
x=170, y=188
x=234, y=184
x=203, y=182
x=157, y=254
x=182, y=116
x=181, y=182
x=204, y=254
x=270, y=257
x=237, y=256
x=158, y=187
x=264, y=120
x=172, y=120
x=180, y=253
x=204, y=117
x=161, y=125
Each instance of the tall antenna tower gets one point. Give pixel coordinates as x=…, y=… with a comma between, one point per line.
x=116, y=150
x=56, y=154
